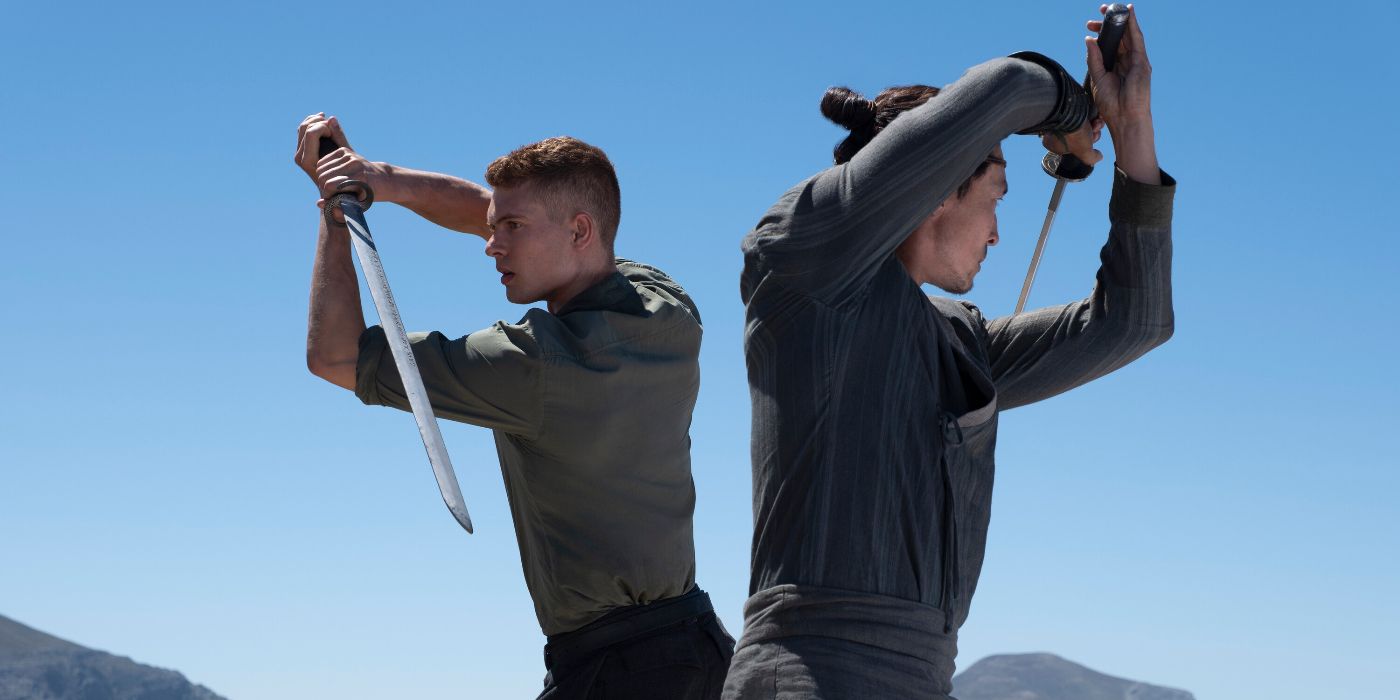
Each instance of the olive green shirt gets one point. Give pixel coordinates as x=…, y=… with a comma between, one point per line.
x=591, y=409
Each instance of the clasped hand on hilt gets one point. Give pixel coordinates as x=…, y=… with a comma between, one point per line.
x=356, y=191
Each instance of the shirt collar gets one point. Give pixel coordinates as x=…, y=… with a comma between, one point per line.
x=612, y=293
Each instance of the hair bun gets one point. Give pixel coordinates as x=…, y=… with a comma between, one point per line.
x=848, y=108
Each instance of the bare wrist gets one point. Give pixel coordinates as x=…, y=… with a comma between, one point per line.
x=1135, y=147
x=1128, y=128
x=386, y=184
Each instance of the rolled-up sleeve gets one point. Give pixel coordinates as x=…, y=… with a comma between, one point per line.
x=491, y=378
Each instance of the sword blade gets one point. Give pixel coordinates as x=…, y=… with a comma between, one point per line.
x=1040, y=244
x=378, y=283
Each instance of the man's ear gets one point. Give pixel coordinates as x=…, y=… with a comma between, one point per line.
x=935, y=218
x=584, y=229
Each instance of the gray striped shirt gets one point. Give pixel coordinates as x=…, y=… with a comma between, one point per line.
x=875, y=406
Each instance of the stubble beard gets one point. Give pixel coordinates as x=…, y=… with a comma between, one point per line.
x=962, y=286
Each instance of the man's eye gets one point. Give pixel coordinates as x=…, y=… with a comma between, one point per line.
x=514, y=225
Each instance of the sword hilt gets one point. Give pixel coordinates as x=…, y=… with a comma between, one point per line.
x=356, y=191
x=1115, y=22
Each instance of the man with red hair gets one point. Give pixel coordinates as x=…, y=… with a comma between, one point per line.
x=589, y=399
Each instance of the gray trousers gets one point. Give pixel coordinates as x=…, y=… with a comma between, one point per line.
x=809, y=643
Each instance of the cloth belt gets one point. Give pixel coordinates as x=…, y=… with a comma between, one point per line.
x=623, y=624
x=901, y=626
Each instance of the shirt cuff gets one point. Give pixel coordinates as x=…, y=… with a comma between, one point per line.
x=1073, y=107
x=1140, y=203
x=373, y=344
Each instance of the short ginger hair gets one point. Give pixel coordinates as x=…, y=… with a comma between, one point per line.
x=569, y=175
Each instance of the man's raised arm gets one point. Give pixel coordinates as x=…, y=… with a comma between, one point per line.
x=447, y=201
x=834, y=230
x=1042, y=353
x=335, y=321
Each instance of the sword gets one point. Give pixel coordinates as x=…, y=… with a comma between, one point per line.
x=354, y=207
x=1066, y=168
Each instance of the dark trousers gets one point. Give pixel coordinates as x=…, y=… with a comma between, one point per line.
x=672, y=648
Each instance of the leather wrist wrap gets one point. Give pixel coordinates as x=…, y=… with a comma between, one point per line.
x=1074, y=106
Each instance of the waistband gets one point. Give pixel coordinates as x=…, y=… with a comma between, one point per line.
x=623, y=624
x=893, y=624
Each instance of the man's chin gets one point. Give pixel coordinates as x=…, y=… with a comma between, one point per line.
x=958, y=288
x=521, y=296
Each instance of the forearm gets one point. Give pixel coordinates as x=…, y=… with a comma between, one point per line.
x=335, y=321
x=1135, y=147
x=447, y=201
x=922, y=157
x=1042, y=353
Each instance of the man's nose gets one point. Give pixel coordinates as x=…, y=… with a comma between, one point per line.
x=995, y=237
x=494, y=247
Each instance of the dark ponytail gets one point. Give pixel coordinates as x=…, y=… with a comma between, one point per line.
x=865, y=118
x=851, y=110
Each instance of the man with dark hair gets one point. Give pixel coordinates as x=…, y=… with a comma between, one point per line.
x=590, y=402
x=875, y=406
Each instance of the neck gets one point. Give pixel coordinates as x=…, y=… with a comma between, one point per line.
x=585, y=279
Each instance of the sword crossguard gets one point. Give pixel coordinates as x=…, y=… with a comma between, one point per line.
x=357, y=190
x=1065, y=167
x=354, y=191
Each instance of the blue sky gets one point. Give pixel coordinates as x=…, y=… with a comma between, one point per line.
x=174, y=486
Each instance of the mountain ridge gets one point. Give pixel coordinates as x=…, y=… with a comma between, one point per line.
x=36, y=665
x=18, y=637
x=1045, y=676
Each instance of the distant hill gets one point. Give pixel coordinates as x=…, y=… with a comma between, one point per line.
x=1049, y=677
x=39, y=666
